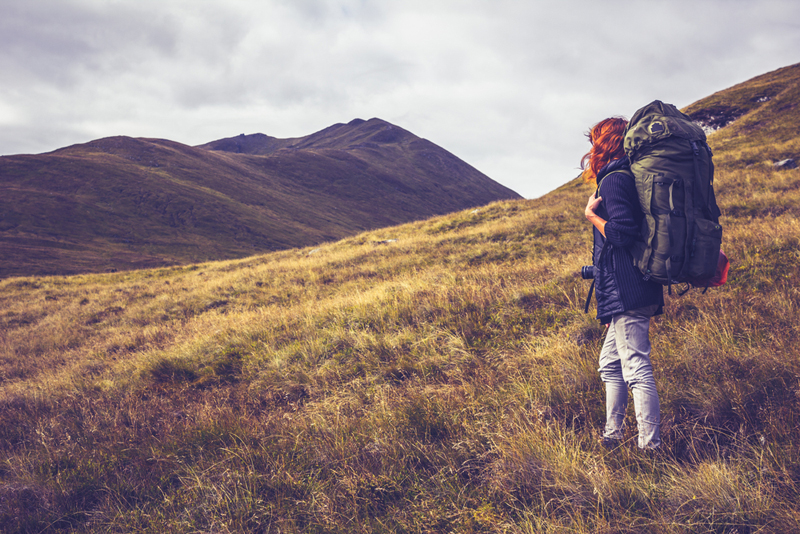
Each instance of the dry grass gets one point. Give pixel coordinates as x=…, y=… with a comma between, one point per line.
x=434, y=377
x=444, y=381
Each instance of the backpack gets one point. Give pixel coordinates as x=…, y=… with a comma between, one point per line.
x=674, y=175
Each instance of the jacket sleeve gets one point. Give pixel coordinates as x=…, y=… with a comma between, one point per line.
x=622, y=204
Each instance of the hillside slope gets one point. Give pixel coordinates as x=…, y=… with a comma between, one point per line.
x=122, y=203
x=438, y=376
x=760, y=113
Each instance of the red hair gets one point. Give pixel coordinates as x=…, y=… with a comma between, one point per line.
x=606, y=137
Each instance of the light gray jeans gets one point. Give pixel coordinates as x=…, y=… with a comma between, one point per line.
x=625, y=363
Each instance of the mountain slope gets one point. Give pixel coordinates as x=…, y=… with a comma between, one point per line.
x=758, y=118
x=761, y=129
x=438, y=376
x=122, y=203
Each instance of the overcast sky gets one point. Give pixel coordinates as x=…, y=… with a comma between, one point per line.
x=509, y=86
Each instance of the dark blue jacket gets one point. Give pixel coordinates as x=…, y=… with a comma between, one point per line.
x=619, y=285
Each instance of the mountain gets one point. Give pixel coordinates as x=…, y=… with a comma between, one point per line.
x=445, y=381
x=125, y=203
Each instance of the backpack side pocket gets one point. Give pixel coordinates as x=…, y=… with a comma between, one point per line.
x=705, y=249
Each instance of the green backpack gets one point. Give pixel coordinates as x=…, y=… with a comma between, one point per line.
x=671, y=164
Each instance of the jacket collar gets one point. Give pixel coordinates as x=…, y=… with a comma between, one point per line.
x=612, y=166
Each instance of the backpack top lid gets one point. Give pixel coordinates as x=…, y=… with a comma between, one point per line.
x=657, y=121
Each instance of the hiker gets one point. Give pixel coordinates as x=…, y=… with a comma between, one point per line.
x=625, y=300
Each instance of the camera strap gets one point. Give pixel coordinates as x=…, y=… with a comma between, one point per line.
x=589, y=298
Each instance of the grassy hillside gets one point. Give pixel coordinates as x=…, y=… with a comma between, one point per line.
x=438, y=376
x=121, y=203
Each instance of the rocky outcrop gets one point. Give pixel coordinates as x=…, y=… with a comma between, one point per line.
x=785, y=164
x=714, y=118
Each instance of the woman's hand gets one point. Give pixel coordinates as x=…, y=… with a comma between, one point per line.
x=592, y=205
x=594, y=218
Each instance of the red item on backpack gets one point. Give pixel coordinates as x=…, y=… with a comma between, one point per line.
x=721, y=274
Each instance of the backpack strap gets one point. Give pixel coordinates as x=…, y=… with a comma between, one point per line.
x=624, y=171
x=668, y=260
x=704, y=199
x=591, y=287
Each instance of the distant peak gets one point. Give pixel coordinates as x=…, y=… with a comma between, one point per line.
x=374, y=121
x=257, y=143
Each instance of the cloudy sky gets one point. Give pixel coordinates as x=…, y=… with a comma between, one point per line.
x=510, y=86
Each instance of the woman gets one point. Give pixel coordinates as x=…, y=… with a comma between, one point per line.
x=625, y=301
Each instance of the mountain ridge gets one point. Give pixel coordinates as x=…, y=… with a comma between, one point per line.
x=359, y=130
x=121, y=202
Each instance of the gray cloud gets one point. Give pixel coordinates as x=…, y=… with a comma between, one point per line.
x=508, y=86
